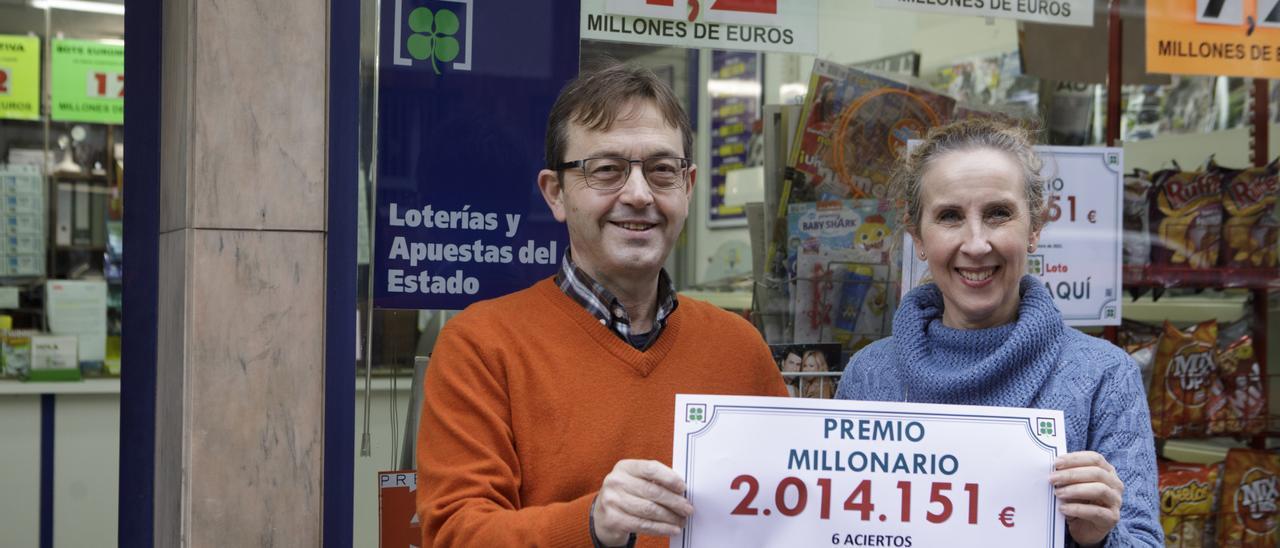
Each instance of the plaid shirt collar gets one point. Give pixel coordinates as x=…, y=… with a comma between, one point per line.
x=602, y=303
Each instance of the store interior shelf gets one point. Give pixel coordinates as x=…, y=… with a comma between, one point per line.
x=1205, y=451
x=1225, y=308
x=111, y=385
x=81, y=177
x=87, y=386
x=729, y=300
x=1208, y=450
x=1173, y=276
x=75, y=247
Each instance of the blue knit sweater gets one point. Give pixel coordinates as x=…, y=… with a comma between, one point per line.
x=1034, y=362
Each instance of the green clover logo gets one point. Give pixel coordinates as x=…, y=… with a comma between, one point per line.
x=1046, y=428
x=696, y=413
x=433, y=36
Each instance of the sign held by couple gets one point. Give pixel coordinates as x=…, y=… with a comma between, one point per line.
x=796, y=472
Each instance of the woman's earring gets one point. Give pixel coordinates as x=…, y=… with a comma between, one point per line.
x=1031, y=248
x=922, y=255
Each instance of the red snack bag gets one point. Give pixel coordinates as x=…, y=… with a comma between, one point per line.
x=1250, y=494
x=1188, y=500
x=1185, y=370
x=1236, y=406
x=1249, y=234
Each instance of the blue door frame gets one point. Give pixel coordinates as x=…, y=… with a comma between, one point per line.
x=142, y=26
x=340, y=273
x=143, y=30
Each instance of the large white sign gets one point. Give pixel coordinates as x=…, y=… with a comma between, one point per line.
x=1060, y=12
x=795, y=472
x=787, y=26
x=1079, y=255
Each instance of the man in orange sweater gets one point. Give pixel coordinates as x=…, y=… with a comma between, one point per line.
x=548, y=413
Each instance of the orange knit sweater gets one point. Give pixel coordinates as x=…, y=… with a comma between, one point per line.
x=530, y=401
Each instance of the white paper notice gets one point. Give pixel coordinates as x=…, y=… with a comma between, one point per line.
x=9, y=297
x=1079, y=254
x=79, y=308
x=53, y=352
x=795, y=472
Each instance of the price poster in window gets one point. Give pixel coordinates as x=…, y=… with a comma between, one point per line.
x=1214, y=37
x=20, y=77
x=1079, y=254
x=87, y=82
x=787, y=472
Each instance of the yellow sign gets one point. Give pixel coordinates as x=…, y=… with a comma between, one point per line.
x=20, y=77
x=1214, y=37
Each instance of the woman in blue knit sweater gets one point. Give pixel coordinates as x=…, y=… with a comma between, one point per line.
x=984, y=333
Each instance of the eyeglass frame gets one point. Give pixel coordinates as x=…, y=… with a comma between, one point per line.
x=582, y=164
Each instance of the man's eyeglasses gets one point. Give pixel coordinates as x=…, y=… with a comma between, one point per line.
x=611, y=173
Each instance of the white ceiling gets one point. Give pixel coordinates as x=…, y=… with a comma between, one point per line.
x=18, y=17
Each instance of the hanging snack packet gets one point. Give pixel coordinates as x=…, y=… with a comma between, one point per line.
x=1229, y=332
x=1137, y=219
x=1188, y=500
x=1250, y=484
x=1237, y=407
x=1187, y=218
x=1181, y=380
x=1144, y=354
x=1249, y=234
x=1133, y=332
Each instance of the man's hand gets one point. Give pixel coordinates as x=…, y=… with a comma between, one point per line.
x=639, y=496
x=1089, y=494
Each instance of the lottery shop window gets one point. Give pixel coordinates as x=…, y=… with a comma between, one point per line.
x=1213, y=408
x=954, y=67
x=61, y=171
x=61, y=261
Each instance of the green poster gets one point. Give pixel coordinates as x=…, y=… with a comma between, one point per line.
x=87, y=82
x=20, y=77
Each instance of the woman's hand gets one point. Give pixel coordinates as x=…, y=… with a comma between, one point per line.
x=1089, y=495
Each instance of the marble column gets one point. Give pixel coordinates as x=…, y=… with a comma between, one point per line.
x=239, y=409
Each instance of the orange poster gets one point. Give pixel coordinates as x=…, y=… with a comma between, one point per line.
x=1214, y=37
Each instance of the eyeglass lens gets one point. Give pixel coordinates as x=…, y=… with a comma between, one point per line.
x=660, y=171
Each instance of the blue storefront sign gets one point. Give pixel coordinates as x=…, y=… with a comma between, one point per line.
x=465, y=87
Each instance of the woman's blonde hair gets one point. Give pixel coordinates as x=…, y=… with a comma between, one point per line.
x=819, y=355
x=964, y=135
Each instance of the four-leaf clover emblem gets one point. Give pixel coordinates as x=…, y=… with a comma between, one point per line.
x=433, y=36
x=1046, y=427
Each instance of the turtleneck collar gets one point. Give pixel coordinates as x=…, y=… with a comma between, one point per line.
x=1004, y=365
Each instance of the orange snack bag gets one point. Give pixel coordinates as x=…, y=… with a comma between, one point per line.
x=1185, y=370
x=1236, y=405
x=1188, y=499
x=1249, y=516
x=1249, y=233
x=1187, y=218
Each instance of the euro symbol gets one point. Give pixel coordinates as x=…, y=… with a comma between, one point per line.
x=1006, y=516
x=1093, y=216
